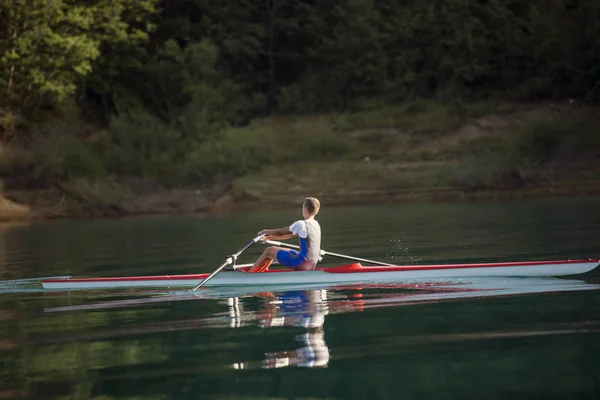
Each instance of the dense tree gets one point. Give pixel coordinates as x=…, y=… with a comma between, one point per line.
x=198, y=65
x=47, y=47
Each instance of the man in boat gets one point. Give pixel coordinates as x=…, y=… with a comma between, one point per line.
x=307, y=230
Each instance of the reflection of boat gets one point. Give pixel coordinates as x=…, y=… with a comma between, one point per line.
x=279, y=310
x=352, y=273
x=380, y=294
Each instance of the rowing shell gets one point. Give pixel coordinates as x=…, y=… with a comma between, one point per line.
x=352, y=273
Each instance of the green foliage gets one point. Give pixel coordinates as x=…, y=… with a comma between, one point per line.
x=47, y=47
x=55, y=153
x=60, y=154
x=297, y=57
x=275, y=141
x=394, y=51
x=9, y=123
x=139, y=144
x=98, y=194
x=541, y=148
x=185, y=87
x=299, y=98
x=225, y=157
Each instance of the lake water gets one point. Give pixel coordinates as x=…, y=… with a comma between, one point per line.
x=518, y=338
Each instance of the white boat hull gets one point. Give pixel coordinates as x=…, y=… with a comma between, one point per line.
x=354, y=273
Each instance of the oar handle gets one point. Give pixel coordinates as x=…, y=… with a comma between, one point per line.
x=326, y=253
x=256, y=239
x=281, y=244
x=229, y=260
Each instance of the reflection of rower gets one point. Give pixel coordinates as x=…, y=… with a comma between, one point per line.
x=305, y=308
x=312, y=353
x=301, y=308
x=234, y=312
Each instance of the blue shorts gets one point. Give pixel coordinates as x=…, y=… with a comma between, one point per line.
x=291, y=259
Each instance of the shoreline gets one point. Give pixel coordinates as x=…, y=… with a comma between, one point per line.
x=235, y=203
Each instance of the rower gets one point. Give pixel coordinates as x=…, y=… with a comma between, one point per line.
x=307, y=230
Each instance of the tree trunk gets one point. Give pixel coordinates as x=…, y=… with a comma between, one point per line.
x=272, y=6
x=11, y=72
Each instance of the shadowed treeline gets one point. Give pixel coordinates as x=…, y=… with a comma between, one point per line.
x=176, y=58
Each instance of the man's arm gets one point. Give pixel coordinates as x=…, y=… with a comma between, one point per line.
x=277, y=234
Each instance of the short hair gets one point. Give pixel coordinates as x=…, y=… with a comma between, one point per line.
x=312, y=205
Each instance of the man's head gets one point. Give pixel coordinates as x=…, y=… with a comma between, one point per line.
x=310, y=207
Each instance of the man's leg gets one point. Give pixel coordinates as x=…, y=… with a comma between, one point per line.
x=264, y=261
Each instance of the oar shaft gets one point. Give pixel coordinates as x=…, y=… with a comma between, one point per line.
x=327, y=253
x=228, y=261
x=357, y=258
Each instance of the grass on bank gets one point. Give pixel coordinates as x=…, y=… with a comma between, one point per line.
x=398, y=150
x=545, y=151
x=416, y=146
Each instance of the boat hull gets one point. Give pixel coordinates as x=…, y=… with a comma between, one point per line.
x=353, y=273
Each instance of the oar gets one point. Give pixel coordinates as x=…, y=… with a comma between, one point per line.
x=325, y=253
x=231, y=259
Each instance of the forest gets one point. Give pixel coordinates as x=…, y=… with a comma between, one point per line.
x=114, y=89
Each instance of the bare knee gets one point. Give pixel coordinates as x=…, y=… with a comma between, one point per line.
x=271, y=252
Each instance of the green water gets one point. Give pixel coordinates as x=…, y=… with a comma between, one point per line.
x=526, y=338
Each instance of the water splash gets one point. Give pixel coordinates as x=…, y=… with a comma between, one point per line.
x=401, y=253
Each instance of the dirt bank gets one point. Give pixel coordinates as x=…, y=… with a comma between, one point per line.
x=11, y=211
x=60, y=203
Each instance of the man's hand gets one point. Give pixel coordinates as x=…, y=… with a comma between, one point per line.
x=264, y=234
